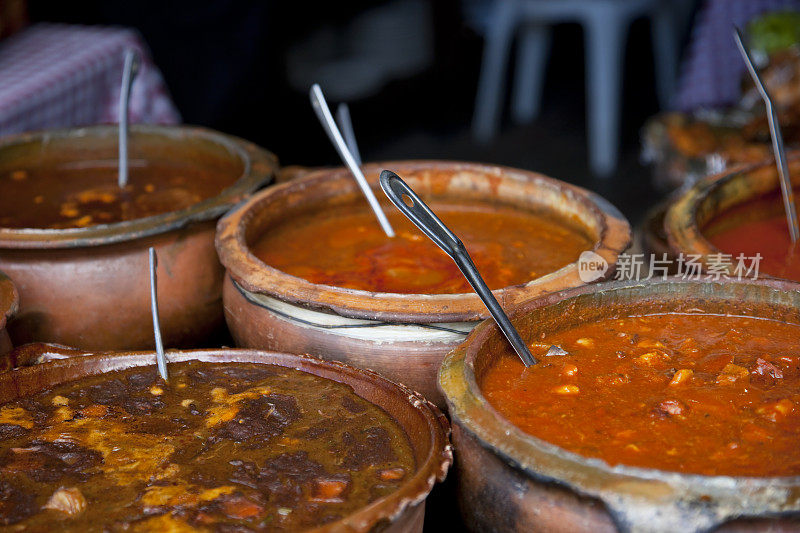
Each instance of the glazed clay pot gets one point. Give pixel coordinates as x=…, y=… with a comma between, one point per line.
x=712, y=196
x=89, y=287
x=509, y=480
x=402, y=336
x=427, y=429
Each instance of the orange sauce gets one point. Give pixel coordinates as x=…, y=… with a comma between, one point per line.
x=701, y=394
x=346, y=248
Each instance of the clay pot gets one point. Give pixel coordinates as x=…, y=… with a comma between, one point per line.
x=652, y=238
x=512, y=481
x=9, y=302
x=402, y=336
x=89, y=287
x=712, y=196
x=426, y=427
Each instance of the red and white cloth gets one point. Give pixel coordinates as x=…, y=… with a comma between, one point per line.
x=60, y=76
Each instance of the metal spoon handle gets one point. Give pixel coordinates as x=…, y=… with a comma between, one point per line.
x=426, y=220
x=129, y=70
x=324, y=114
x=777, y=139
x=346, y=125
x=161, y=359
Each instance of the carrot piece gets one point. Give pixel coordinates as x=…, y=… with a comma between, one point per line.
x=328, y=489
x=392, y=474
x=240, y=507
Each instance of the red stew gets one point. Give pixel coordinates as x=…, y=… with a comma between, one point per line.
x=83, y=195
x=347, y=248
x=758, y=227
x=699, y=394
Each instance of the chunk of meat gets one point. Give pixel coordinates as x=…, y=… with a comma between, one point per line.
x=765, y=368
x=671, y=408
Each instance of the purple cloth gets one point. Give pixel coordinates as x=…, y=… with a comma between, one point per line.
x=712, y=69
x=59, y=76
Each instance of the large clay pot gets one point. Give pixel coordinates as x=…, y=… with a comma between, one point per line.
x=402, y=336
x=427, y=429
x=712, y=196
x=512, y=481
x=88, y=287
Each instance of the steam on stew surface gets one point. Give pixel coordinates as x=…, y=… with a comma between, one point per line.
x=78, y=196
x=345, y=247
x=238, y=446
x=701, y=394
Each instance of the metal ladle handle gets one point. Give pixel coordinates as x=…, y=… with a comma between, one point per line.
x=777, y=139
x=323, y=112
x=161, y=358
x=421, y=215
x=130, y=69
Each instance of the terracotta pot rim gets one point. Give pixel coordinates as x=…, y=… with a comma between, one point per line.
x=680, y=222
x=593, y=477
x=252, y=275
x=414, y=490
x=259, y=169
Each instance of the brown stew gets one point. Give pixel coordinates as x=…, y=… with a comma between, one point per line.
x=701, y=394
x=758, y=227
x=84, y=195
x=345, y=247
x=234, y=447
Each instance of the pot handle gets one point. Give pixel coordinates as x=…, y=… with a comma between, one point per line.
x=36, y=353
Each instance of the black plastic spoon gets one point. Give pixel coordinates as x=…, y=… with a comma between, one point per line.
x=421, y=215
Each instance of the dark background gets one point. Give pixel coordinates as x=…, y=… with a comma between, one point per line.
x=225, y=64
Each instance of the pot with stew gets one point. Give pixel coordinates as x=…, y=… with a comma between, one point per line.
x=737, y=213
x=235, y=440
x=311, y=271
x=669, y=406
x=75, y=243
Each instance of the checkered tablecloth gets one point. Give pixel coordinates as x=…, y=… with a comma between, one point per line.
x=712, y=69
x=59, y=76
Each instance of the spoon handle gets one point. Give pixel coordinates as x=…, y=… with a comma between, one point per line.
x=777, y=139
x=324, y=114
x=129, y=70
x=421, y=215
x=161, y=358
x=346, y=125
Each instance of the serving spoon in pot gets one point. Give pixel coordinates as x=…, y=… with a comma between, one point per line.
x=129, y=70
x=324, y=114
x=349, y=134
x=777, y=139
x=426, y=220
x=161, y=358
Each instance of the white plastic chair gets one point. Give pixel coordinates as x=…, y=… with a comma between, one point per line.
x=605, y=24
